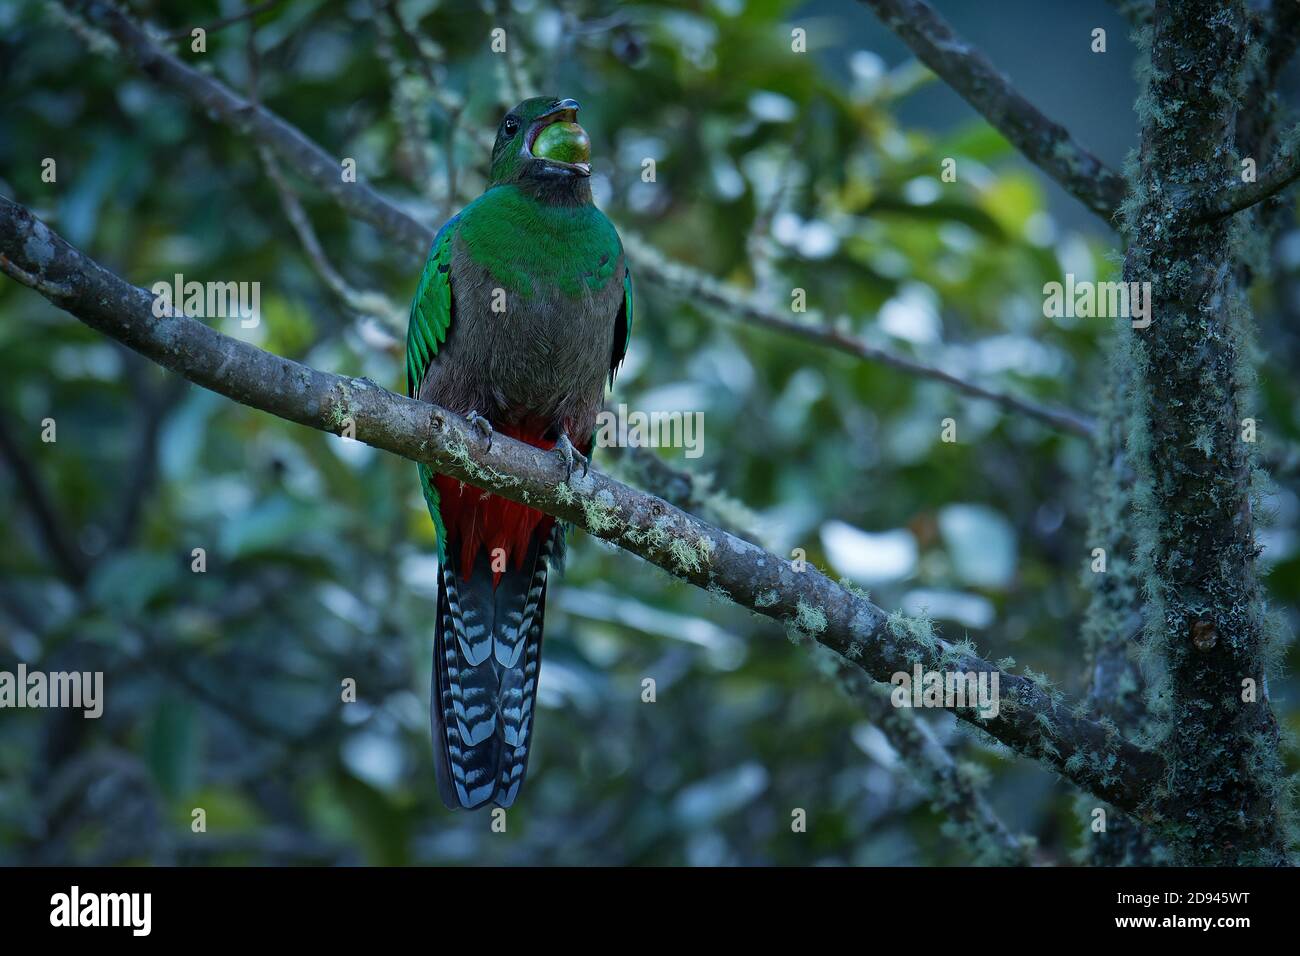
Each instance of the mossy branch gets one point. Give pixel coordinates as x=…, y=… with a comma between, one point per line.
x=1282, y=171
x=950, y=787
x=1033, y=720
x=314, y=164
x=971, y=819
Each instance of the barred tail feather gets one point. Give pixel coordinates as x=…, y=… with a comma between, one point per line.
x=519, y=686
x=487, y=656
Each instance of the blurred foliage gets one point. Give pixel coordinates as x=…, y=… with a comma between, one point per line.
x=223, y=687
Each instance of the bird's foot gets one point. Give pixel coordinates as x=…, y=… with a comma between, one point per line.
x=482, y=426
x=571, y=455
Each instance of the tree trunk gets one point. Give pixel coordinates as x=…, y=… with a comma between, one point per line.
x=1204, y=616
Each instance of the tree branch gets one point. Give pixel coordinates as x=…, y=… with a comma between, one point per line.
x=949, y=786
x=363, y=302
x=366, y=204
x=924, y=755
x=257, y=122
x=213, y=26
x=1205, y=618
x=155, y=404
x=1282, y=171
x=687, y=490
x=46, y=516
x=1043, y=142
x=1032, y=719
x=410, y=96
x=700, y=287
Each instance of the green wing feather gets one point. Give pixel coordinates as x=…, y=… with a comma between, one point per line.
x=430, y=309
x=430, y=320
x=426, y=330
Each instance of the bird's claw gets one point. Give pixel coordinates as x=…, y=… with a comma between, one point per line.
x=571, y=455
x=482, y=426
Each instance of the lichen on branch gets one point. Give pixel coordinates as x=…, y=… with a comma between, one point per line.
x=1039, y=725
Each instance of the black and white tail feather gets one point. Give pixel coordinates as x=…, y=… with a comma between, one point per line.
x=486, y=658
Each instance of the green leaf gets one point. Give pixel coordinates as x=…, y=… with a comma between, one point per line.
x=276, y=524
x=130, y=581
x=172, y=745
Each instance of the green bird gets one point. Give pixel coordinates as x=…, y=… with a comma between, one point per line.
x=522, y=315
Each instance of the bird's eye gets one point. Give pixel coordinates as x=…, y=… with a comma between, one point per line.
x=511, y=126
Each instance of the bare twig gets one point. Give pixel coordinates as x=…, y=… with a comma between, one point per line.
x=1043, y=142
x=759, y=243
x=155, y=404
x=215, y=25
x=363, y=302
x=517, y=85
x=410, y=97
x=429, y=60
x=57, y=540
x=429, y=57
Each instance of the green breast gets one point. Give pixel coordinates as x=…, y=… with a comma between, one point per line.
x=530, y=247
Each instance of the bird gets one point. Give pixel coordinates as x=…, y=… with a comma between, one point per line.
x=521, y=319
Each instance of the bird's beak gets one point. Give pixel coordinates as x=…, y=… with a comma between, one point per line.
x=566, y=145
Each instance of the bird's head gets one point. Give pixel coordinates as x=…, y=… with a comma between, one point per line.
x=539, y=143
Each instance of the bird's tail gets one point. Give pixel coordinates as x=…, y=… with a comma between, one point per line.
x=486, y=658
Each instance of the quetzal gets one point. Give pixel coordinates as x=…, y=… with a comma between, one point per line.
x=522, y=314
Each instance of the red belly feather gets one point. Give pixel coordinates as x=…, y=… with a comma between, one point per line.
x=474, y=518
